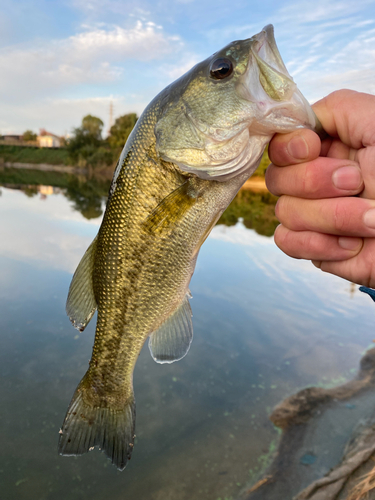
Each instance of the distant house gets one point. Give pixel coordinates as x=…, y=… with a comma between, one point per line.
x=11, y=138
x=47, y=140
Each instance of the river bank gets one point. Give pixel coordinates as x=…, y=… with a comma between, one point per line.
x=45, y=167
x=255, y=184
x=27, y=154
x=101, y=174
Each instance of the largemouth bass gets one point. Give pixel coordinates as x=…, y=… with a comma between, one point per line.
x=190, y=152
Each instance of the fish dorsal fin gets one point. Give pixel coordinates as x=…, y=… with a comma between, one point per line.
x=81, y=303
x=171, y=341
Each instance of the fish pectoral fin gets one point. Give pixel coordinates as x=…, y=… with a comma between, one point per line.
x=171, y=209
x=171, y=341
x=81, y=303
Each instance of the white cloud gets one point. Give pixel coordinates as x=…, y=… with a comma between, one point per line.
x=325, y=48
x=323, y=10
x=329, y=47
x=91, y=56
x=175, y=71
x=352, y=66
x=145, y=41
x=34, y=77
x=61, y=115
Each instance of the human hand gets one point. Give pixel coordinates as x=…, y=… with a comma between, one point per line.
x=327, y=189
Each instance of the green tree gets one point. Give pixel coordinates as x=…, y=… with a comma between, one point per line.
x=120, y=131
x=86, y=141
x=29, y=136
x=92, y=126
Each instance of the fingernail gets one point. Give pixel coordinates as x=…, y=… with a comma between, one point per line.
x=349, y=243
x=317, y=263
x=369, y=218
x=298, y=148
x=348, y=178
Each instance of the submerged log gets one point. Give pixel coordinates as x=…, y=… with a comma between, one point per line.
x=327, y=444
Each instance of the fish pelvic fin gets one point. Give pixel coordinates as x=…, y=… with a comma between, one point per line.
x=171, y=341
x=81, y=304
x=86, y=426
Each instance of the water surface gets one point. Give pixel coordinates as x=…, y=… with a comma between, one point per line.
x=265, y=326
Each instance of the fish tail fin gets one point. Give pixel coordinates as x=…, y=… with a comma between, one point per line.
x=88, y=426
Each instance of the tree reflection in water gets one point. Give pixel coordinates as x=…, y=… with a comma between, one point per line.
x=89, y=193
x=257, y=211
x=87, y=196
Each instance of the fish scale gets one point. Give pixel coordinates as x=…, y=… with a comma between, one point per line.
x=190, y=152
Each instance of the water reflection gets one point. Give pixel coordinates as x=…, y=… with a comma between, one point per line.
x=265, y=326
x=256, y=210
x=87, y=194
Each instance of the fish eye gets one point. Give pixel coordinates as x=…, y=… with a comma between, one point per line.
x=221, y=68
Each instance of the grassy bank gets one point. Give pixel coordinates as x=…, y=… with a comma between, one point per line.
x=25, y=154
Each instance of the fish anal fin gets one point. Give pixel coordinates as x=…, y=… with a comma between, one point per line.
x=171, y=341
x=81, y=304
x=171, y=209
x=86, y=426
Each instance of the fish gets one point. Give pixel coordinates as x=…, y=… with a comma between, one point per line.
x=191, y=150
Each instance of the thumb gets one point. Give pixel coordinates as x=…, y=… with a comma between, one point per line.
x=348, y=115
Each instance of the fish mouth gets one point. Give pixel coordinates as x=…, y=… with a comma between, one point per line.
x=273, y=75
x=267, y=84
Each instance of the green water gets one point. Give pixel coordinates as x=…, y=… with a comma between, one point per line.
x=264, y=326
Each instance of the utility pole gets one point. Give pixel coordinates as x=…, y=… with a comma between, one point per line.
x=110, y=116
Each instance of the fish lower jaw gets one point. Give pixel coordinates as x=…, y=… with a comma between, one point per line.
x=282, y=117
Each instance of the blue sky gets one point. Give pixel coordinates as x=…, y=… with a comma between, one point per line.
x=62, y=59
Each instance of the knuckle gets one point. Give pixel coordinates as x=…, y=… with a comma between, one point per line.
x=270, y=178
x=278, y=149
x=288, y=212
x=314, y=183
x=341, y=217
x=280, y=207
x=311, y=244
x=284, y=239
x=309, y=184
